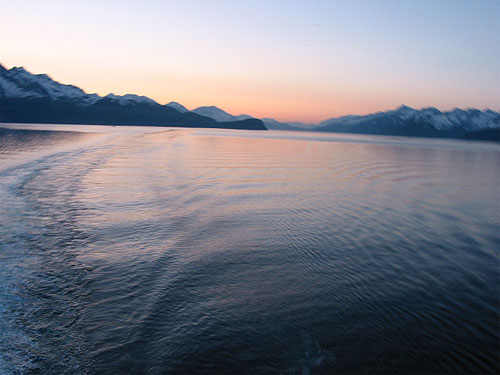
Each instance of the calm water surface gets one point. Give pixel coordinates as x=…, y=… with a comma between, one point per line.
x=173, y=251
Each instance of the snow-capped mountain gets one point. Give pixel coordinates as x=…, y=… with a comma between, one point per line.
x=430, y=122
x=210, y=111
x=218, y=114
x=178, y=107
x=37, y=98
x=128, y=99
x=19, y=83
x=468, y=119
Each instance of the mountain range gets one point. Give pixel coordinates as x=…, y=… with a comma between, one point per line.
x=459, y=123
x=426, y=122
x=402, y=121
x=37, y=98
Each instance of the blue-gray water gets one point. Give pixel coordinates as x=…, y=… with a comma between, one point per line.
x=172, y=251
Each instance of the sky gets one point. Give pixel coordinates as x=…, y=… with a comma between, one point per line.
x=289, y=60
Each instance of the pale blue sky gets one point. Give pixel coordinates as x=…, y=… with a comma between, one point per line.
x=292, y=60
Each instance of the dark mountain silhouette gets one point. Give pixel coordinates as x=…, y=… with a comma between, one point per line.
x=426, y=122
x=403, y=121
x=25, y=97
x=30, y=98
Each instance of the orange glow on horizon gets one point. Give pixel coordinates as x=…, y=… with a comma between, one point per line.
x=281, y=101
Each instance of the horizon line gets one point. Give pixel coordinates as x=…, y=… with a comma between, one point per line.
x=449, y=109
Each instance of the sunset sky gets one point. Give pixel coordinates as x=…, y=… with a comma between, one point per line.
x=290, y=60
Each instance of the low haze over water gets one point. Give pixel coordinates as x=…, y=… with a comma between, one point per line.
x=189, y=251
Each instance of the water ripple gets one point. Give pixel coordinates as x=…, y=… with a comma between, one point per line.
x=191, y=252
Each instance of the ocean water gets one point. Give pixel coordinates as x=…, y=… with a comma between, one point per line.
x=191, y=251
